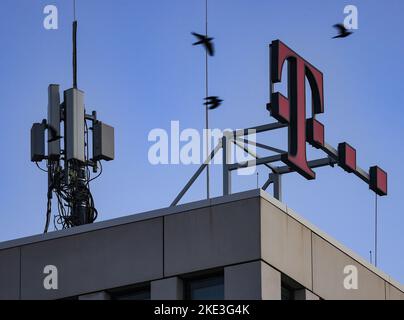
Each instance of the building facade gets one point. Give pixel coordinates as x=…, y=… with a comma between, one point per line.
x=243, y=246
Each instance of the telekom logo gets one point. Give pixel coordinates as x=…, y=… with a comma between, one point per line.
x=292, y=110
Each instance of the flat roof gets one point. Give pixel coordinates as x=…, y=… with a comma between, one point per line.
x=191, y=206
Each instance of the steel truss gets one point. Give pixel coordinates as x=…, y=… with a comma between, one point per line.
x=274, y=178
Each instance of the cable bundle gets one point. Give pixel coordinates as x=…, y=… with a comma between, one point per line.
x=71, y=186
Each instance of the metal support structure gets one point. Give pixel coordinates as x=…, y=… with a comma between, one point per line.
x=267, y=183
x=312, y=164
x=262, y=146
x=237, y=138
x=255, y=155
x=207, y=106
x=196, y=175
x=376, y=229
x=255, y=162
x=226, y=145
x=259, y=129
x=333, y=154
x=276, y=180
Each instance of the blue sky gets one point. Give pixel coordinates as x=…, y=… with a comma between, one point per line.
x=140, y=71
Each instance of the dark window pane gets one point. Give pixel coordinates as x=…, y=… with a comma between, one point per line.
x=286, y=293
x=211, y=288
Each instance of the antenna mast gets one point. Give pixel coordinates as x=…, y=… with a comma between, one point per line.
x=75, y=54
x=74, y=46
x=68, y=166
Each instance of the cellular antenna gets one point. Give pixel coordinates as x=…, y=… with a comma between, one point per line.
x=68, y=159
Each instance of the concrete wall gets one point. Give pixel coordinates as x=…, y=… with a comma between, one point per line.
x=252, y=281
x=253, y=238
x=167, y=289
x=86, y=263
x=392, y=293
x=328, y=275
x=211, y=237
x=313, y=260
x=10, y=274
x=286, y=244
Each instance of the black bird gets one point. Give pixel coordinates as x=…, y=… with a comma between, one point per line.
x=213, y=102
x=206, y=42
x=54, y=135
x=343, y=32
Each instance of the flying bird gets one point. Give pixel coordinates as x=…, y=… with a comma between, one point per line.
x=213, y=102
x=206, y=42
x=54, y=134
x=343, y=32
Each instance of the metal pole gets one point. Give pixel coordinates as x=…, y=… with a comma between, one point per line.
x=375, y=229
x=206, y=106
x=255, y=155
x=75, y=54
x=196, y=175
x=277, y=180
x=226, y=143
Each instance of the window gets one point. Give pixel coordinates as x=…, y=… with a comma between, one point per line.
x=131, y=294
x=286, y=292
x=206, y=288
x=289, y=287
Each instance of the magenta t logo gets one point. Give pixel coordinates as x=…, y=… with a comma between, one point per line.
x=292, y=110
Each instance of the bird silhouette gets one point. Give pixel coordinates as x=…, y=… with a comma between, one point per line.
x=213, y=102
x=206, y=42
x=54, y=135
x=343, y=32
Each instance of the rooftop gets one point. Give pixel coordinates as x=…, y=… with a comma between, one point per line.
x=194, y=207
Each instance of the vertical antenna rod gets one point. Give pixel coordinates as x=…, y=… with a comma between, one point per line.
x=207, y=107
x=75, y=54
x=74, y=46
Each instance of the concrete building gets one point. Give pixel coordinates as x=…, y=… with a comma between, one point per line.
x=243, y=246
